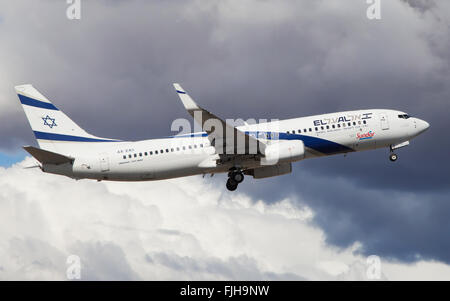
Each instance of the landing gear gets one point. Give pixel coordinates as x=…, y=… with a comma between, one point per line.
x=237, y=176
x=234, y=178
x=231, y=184
x=393, y=157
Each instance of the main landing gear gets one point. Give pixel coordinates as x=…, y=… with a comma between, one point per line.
x=234, y=178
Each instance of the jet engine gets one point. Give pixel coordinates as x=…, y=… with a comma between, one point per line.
x=283, y=151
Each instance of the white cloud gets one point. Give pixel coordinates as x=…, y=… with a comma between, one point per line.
x=182, y=229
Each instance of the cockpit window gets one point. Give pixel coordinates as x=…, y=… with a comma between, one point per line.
x=403, y=116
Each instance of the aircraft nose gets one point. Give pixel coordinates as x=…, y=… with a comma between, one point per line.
x=422, y=125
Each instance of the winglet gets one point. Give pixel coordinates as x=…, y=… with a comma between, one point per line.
x=179, y=88
x=187, y=101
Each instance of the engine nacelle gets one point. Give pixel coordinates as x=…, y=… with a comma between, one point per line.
x=270, y=171
x=283, y=151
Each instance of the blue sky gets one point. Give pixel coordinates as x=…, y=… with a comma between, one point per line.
x=8, y=159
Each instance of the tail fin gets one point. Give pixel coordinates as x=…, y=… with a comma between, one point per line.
x=50, y=125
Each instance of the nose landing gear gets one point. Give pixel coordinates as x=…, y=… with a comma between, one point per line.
x=234, y=178
x=393, y=157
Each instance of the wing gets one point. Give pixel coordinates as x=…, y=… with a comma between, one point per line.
x=227, y=139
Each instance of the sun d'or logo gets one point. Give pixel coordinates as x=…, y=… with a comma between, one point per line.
x=50, y=122
x=365, y=136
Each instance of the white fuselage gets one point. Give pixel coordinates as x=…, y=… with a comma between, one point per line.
x=185, y=155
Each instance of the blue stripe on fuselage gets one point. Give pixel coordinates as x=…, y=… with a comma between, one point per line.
x=318, y=144
x=61, y=137
x=191, y=135
x=36, y=103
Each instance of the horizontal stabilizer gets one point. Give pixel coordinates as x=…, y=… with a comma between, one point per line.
x=46, y=157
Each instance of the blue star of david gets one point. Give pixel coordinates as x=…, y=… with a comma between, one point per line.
x=49, y=121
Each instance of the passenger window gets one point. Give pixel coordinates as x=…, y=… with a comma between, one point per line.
x=322, y=127
x=201, y=145
x=310, y=129
x=364, y=122
x=349, y=124
x=140, y=154
x=328, y=127
x=145, y=154
x=299, y=131
x=124, y=157
x=339, y=125
x=333, y=126
x=190, y=146
x=162, y=151
x=354, y=123
x=178, y=149
x=129, y=156
x=156, y=152
x=135, y=155
x=184, y=147
x=171, y=149
x=316, y=129
x=151, y=153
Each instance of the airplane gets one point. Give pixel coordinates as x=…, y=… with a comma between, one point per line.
x=260, y=150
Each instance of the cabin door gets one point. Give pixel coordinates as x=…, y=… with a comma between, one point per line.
x=104, y=162
x=384, y=121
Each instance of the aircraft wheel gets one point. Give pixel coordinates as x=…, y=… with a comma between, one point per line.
x=238, y=177
x=393, y=157
x=231, y=184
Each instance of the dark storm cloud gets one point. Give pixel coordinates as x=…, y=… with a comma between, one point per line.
x=406, y=225
x=112, y=72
